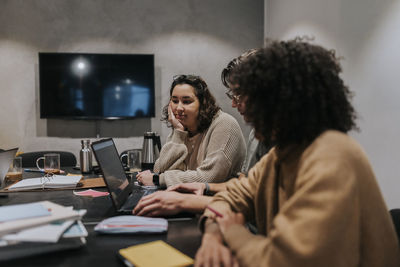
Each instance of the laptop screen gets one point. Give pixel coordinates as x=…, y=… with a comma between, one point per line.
x=114, y=174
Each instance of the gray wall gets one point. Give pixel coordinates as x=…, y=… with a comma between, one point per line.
x=366, y=34
x=186, y=36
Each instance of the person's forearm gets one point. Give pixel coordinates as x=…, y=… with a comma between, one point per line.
x=194, y=203
x=217, y=187
x=211, y=228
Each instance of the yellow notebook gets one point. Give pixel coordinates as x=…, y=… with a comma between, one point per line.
x=156, y=253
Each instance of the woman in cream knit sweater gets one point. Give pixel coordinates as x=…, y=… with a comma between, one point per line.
x=205, y=145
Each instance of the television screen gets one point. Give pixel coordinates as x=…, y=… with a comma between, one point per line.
x=96, y=86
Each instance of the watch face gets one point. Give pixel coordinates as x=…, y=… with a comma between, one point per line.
x=156, y=179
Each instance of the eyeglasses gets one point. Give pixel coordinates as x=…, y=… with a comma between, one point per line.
x=233, y=97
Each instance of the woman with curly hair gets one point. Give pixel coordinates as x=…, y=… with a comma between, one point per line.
x=314, y=196
x=205, y=145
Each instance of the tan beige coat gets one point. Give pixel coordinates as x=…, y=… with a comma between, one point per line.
x=315, y=206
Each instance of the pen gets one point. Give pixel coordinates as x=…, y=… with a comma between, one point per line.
x=36, y=170
x=215, y=212
x=33, y=170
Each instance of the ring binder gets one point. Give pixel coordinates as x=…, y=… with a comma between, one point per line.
x=47, y=181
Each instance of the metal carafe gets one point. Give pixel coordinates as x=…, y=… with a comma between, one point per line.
x=151, y=150
x=85, y=156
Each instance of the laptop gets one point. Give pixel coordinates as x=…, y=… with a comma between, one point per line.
x=6, y=158
x=124, y=195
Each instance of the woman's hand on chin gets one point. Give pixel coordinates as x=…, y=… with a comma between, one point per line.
x=173, y=120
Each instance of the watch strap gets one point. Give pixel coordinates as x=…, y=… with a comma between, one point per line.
x=156, y=179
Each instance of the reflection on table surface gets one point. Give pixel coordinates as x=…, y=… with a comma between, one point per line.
x=101, y=250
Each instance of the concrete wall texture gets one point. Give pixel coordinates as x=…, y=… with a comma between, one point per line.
x=186, y=37
x=198, y=37
x=366, y=34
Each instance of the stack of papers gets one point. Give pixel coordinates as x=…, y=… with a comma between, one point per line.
x=11, y=223
x=56, y=181
x=38, y=225
x=132, y=224
x=51, y=232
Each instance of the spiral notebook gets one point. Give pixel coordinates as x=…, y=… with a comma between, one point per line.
x=55, y=181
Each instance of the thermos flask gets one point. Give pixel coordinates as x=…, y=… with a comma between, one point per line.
x=85, y=157
x=151, y=150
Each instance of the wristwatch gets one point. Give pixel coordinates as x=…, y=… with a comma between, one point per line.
x=156, y=179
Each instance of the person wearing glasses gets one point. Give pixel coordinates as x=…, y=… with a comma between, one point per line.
x=314, y=196
x=205, y=145
x=194, y=197
x=255, y=148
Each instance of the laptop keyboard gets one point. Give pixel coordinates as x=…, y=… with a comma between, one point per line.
x=135, y=196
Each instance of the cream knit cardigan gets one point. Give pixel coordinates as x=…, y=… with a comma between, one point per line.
x=221, y=154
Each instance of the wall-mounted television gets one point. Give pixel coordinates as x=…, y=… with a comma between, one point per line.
x=96, y=86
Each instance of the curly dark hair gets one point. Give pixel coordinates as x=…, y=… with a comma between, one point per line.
x=293, y=92
x=208, y=106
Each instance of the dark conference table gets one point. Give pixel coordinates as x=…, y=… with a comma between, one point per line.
x=100, y=250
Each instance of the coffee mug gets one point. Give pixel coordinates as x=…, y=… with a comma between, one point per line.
x=134, y=160
x=51, y=163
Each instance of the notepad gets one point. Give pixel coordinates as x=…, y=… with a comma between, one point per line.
x=22, y=211
x=157, y=253
x=91, y=193
x=49, y=233
x=128, y=224
x=56, y=181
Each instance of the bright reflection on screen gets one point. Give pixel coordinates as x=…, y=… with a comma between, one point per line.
x=80, y=66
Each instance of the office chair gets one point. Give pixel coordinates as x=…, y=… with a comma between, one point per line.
x=67, y=159
x=395, y=213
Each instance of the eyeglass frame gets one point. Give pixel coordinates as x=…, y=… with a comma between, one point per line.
x=233, y=97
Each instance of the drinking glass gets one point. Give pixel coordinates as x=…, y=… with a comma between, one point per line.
x=134, y=160
x=15, y=171
x=51, y=163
